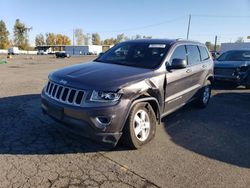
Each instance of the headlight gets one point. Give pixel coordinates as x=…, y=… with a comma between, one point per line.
x=103, y=96
x=243, y=69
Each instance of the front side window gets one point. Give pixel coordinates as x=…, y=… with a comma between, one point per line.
x=143, y=55
x=193, y=54
x=179, y=53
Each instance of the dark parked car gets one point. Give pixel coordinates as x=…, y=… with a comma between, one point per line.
x=42, y=52
x=61, y=54
x=126, y=91
x=214, y=54
x=234, y=67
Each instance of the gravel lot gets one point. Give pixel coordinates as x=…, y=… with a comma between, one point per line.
x=192, y=148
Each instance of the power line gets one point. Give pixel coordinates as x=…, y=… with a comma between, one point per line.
x=218, y=33
x=221, y=16
x=169, y=21
x=145, y=26
x=134, y=28
x=174, y=20
x=215, y=16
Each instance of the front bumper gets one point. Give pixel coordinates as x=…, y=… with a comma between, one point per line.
x=233, y=75
x=237, y=78
x=83, y=120
x=233, y=79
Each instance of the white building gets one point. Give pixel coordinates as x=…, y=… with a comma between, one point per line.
x=84, y=50
x=234, y=46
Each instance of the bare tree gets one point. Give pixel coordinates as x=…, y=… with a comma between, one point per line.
x=239, y=40
x=40, y=40
x=87, y=39
x=79, y=36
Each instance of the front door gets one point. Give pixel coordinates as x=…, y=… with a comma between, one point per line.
x=178, y=82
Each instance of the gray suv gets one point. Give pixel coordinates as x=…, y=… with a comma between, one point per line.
x=126, y=91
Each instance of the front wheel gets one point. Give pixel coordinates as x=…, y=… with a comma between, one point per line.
x=140, y=126
x=204, y=95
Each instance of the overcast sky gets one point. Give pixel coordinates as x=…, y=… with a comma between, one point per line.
x=229, y=19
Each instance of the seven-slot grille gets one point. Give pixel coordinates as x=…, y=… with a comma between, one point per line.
x=225, y=72
x=64, y=94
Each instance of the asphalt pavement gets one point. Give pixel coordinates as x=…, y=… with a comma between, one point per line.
x=192, y=147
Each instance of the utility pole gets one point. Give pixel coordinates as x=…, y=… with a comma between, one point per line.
x=215, y=43
x=73, y=41
x=189, y=22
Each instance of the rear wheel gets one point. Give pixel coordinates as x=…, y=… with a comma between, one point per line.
x=140, y=126
x=204, y=95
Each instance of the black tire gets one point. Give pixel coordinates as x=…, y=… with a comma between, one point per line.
x=129, y=138
x=200, y=101
x=248, y=82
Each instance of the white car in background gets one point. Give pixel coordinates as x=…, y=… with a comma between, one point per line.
x=13, y=51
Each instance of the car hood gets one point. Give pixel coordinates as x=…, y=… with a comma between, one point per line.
x=230, y=64
x=97, y=75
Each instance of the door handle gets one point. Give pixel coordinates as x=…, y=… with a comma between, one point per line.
x=204, y=66
x=188, y=70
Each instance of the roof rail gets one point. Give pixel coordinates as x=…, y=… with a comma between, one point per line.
x=185, y=40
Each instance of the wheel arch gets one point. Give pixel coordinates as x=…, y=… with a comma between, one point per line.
x=210, y=77
x=152, y=101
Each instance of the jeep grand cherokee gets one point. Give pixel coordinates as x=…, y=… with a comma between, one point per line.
x=126, y=91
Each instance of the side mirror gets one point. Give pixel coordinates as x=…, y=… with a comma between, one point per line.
x=178, y=64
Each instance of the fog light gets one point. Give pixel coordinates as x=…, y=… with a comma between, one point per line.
x=102, y=121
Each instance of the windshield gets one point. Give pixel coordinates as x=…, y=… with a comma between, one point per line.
x=143, y=55
x=235, y=56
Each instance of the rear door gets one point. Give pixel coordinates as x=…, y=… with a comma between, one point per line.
x=206, y=63
x=195, y=67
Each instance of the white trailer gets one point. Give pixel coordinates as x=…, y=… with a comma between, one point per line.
x=95, y=49
x=83, y=50
x=13, y=51
x=234, y=46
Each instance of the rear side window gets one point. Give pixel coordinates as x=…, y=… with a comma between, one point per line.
x=193, y=54
x=179, y=53
x=204, y=53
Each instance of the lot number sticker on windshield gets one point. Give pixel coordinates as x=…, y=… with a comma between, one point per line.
x=157, y=46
